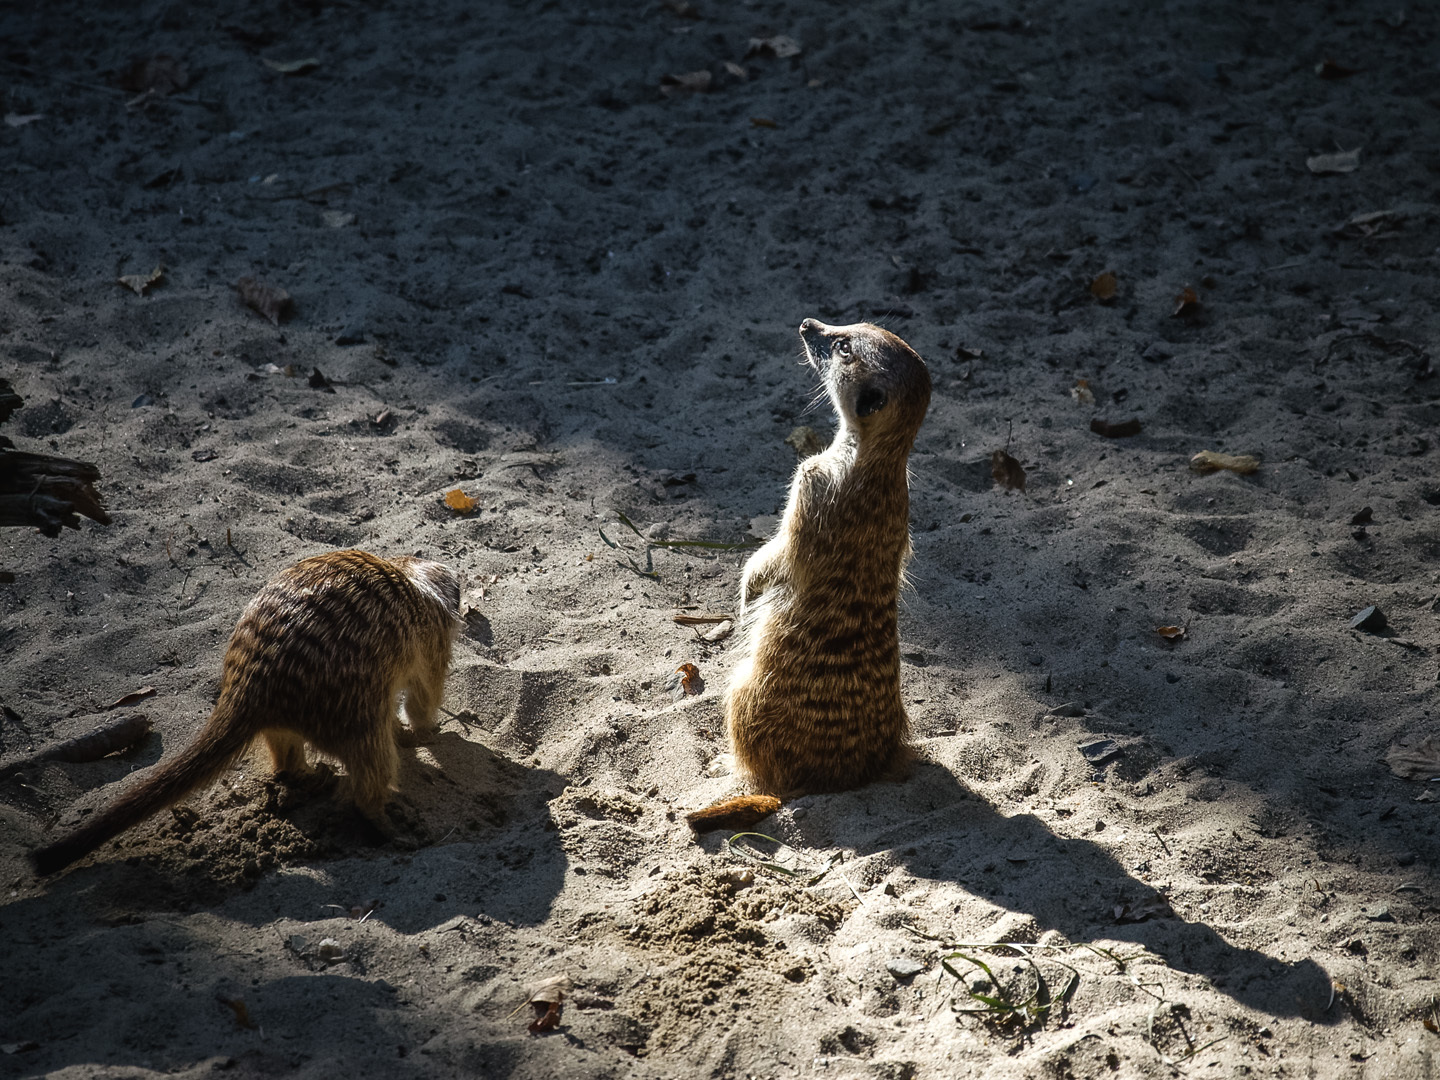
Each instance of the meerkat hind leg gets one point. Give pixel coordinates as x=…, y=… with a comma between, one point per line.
x=422, y=698
x=287, y=752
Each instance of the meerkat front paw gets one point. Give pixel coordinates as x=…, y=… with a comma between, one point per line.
x=722, y=765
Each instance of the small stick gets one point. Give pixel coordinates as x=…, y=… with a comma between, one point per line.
x=103, y=741
x=1161, y=839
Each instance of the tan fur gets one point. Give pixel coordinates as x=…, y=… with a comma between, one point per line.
x=319, y=656
x=815, y=705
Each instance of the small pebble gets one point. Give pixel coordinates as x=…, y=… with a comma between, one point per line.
x=902, y=967
x=1370, y=619
x=1098, y=750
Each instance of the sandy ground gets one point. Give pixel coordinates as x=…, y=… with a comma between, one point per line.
x=527, y=272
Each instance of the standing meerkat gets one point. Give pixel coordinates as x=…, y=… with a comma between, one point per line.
x=320, y=657
x=815, y=703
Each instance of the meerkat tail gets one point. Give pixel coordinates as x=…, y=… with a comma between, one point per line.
x=738, y=813
x=198, y=764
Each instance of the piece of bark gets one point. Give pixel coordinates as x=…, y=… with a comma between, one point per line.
x=48, y=492
x=103, y=741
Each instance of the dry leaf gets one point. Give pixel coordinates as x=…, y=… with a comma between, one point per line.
x=1172, y=633
x=131, y=698
x=1103, y=287
x=1209, y=461
x=779, y=47
x=685, y=680
x=1122, y=430
x=763, y=121
x=735, y=814
x=1415, y=760
x=1187, y=304
x=1346, y=161
x=692, y=82
x=1082, y=393
x=318, y=381
x=138, y=283
x=1134, y=913
x=736, y=70
x=546, y=1000
x=21, y=119
x=547, y=1017
x=805, y=441
x=458, y=501
x=1006, y=471
x=293, y=67
x=1330, y=69
x=337, y=219
x=966, y=352
x=158, y=75
x=242, y=1014
x=275, y=304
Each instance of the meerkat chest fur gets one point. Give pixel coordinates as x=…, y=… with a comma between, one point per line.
x=815, y=704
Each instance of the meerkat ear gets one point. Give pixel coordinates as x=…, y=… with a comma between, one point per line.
x=870, y=400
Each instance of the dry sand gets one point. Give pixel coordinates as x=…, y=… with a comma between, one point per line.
x=576, y=298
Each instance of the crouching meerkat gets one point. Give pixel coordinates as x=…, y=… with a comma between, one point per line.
x=319, y=656
x=815, y=703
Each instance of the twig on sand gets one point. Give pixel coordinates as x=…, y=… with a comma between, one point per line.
x=109, y=739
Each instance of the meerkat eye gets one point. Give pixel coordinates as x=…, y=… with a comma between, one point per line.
x=841, y=348
x=870, y=400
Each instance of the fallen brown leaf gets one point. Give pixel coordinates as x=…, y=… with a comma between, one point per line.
x=1187, y=304
x=1172, y=633
x=1082, y=393
x=780, y=46
x=1209, y=461
x=159, y=75
x=1156, y=906
x=1122, y=430
x=458, y=501
x=546, y=999
x=131, y=698
x=275, y=304
x=242, y=1014
x=763, y=121
x=692, y=82
x=685, y=680
x=738, y=813
x=1415, y=760
x=1006, y=471
x=293, y=67
x=1346, y=161
x=1103, y=287
x=736, y=70
x=1331, y=69
x=547, y=1017
x=138, y=283
x=21, y=119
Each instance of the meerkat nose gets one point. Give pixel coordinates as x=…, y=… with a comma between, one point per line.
x=810, y=325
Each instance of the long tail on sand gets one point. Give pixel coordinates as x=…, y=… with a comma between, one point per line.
x=738, y=813
x=198, y=764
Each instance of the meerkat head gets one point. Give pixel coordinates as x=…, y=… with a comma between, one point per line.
x=877, y=382
x=435, y=578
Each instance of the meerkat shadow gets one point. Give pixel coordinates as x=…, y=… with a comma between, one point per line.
x=461, y=787
x=938, y=829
